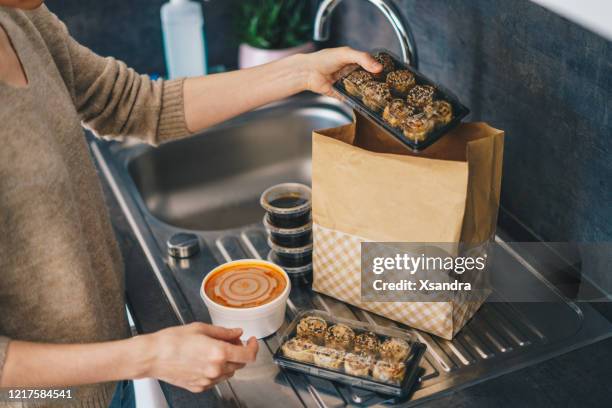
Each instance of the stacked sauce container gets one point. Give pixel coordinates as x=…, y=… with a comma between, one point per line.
x=289, y=227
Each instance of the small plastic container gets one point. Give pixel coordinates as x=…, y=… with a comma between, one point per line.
x=398, y=386
x=292, y=257
x=429, y=110
x=301, y=273
x=288, y=205
x=289, y=237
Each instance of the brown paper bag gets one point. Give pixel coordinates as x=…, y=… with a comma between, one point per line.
x=369, y=187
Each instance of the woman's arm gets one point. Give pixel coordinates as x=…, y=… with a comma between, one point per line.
x=113, y=100
x=194, y=357
x=110, y=98
x=212, y=99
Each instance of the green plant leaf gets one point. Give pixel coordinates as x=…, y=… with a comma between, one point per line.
x=274, y=23
x=275, y=12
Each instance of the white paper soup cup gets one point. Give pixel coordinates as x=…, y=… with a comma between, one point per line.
x=259, y=321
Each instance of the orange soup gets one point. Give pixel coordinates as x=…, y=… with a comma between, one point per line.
x=243, y=286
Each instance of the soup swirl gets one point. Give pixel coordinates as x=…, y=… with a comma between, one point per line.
x=244, y=286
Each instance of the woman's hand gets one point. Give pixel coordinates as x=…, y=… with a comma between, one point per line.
x=325, y=67
x=198, y=355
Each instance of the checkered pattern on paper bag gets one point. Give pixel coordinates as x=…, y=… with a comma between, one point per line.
x=337, y=273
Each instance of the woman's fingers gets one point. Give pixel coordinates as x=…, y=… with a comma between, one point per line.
x=230, y=368
x=242, y=354
x=225, y=370
x=221, y=333
x=214, y=374
x=367, y=62
x=325, y=67
x=336, y=95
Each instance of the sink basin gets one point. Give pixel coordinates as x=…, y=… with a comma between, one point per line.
x=213, y=182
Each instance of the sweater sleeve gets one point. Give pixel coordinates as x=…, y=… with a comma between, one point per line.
x=4, y=341
x=112, y=99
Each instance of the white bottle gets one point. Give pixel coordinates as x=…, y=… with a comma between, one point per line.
x=183, y=30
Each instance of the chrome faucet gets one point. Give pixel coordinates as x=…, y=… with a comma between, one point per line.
x=388, y=9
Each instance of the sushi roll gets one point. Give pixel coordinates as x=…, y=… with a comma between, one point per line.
x=340, y=337
x=395, y=350
x=354, y=82
x=420, y=96
x=387, y=63
x=299, y=349
x=400, y=81
x=358, y=365
x=366, y=343
x=397, y=111
x=388, y=371
x=328, y=357
x=441, y=112
x=416, y=128
x=376, y=95
x=312, y=328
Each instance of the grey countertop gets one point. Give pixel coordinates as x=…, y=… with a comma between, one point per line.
x=578, y=378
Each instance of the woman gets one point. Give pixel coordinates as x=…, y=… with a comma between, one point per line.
x=61, y=284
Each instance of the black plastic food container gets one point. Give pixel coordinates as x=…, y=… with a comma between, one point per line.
x=400, y=390
x=302, y=274
x=289, y=237
x=459, y=110
x=292, y=257
x=288, y=205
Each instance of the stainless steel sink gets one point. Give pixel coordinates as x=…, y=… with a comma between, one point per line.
x=213, y=182
x=210, y=185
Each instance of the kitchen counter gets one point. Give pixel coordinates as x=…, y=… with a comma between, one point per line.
x=193, y=185
x=577, y=378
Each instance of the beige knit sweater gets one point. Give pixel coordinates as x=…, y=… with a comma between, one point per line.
x=61, y=277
